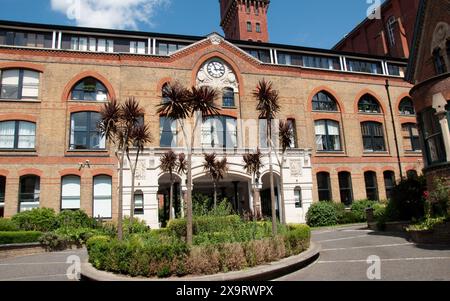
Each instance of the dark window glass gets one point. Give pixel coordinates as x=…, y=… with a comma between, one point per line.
x=324, y=186
x=432, y=137
x=249, y=26
x=364, y=66
x=327, y=135
x=321, y=62
x=167, y=48
x=168, y=132
x=17, y=135
x=260, y=54
x=439, y=62
x=164, y=92
x=90, y=89
x=298, y=197
x=373, y=137
x=396, y=70
x=412, y=174
x=19, y=84
x=29, y=193
x=293, y=59
x=448, y=114
x=389, y=183
x=411, y=139
x=293, y=129
x=84, y=132
x=2, y=189
x=228, y=97
x=370, y=178
x=407, y=107
x=345, y=187
x=323, y=101
x=258, y=27
x=139, y=202
x=368, y=104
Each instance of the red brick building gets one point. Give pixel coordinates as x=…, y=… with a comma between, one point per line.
x=354, y=125
x=429, y=71
x=390, y=36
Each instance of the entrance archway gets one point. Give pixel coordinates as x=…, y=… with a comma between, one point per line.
x=265, y=195
x=164, y=197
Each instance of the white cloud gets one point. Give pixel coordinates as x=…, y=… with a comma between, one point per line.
x=117, y=14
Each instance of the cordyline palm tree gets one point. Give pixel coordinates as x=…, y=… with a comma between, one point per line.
x=120, y=124
x=286, y=136
x=140, y=136
x=168, y=164
x=217, y=169
x=253, y=165
x=268, y=106
x=180, y=104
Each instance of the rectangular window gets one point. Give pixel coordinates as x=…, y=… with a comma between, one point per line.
x=372, y=67
x=261, y=54
x=324, y=186
x=389, y=183
x=258, y=27
x=102, y=197
x=321, y=62
x=439, y=62
x=84, y=133
x=396, y=70
x=293, y=59
x=432, y=137
x=327, y=135
x=137, y=47
x=345, y=187
x=373, y=137
x=2, y=190
x=74, y=44
x=29, y=193
x=168, y=132
x=298, y=198
x=293, y=129
x=411, y=140
x=83, y=44
x=249, y=26
x=70, y=193
x=92, y=44
x=138, y=203
x=17, y=135
x=110, y=46
x=101, y=45
x=370, y=179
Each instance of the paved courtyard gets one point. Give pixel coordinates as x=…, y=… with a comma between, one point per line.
x=345, y=252
x=343, y=258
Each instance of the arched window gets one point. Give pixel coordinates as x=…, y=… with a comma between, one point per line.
x=390, y=30
x=327, y=135
x=70, y=193
x=411, y=140
x=346, y=188
x=19, y=84
x=138, y=202
x=219, y=132
x=164, y=92
x=17, y=135
x=84, y=132
x=407, y=107
x=2, y=195
x=373, y=136
x=323, y=101
x=102, y=197
x=228, y=98
x=298, y=197
x=89, y=89
x=167, y=132
x=389, y=183
x=370, y=178
x=29, y=192
x=324, y=186
x=368, y=104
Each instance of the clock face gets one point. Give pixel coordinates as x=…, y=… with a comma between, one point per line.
x=216, y=69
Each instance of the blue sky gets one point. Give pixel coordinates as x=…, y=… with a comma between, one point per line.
x=315, y=23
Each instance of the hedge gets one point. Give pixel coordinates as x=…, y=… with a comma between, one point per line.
x=146, y=257
x=18, y=237
x=8, y=225
x=205, y=224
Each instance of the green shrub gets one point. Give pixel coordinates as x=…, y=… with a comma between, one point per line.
x=348, y=217
x=202, y=224
x=53, y=242
x=408, y=202
x=359, y=209
x=137, y=226
x=297, y=239
x=75, y=219
x=8, y=225
x=203, y=205
x=98, y=248
x=17, y=237
x=40, y=219
x=427, y=224
x=439, y=198
x=322, y=214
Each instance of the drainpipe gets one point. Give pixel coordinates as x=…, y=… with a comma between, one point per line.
x=395, y=128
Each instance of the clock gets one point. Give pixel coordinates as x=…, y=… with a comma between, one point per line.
x=216, y=69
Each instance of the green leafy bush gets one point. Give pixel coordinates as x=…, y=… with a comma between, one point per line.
x=75, y=219
x=359, y=209
x=16, y=237
x=439, y=198
x=54, y=242
x=135, y=226
x=203, y=205
x=8, y=225
x=40, y=219
x=427, y=224
x=202, y=224
x=322, y=214
x=408, y=202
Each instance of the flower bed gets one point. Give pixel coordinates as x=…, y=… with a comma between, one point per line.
x=164, y=253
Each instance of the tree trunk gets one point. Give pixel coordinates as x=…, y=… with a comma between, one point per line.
x=215, y=194
x=272, y=190
x=282, y=205
x=171, y=200
x=133, y=174
x=120, y=202
x=189, y=200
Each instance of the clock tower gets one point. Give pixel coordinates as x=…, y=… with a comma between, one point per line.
x=245, y=19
